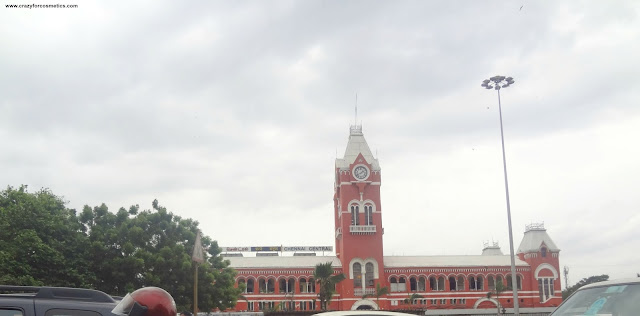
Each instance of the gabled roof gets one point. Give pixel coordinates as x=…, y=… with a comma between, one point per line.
x=534, y=236
x=449, y=261
x=357, y=145
x=282, y=262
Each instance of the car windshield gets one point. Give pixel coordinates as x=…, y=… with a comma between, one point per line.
x=614, y=300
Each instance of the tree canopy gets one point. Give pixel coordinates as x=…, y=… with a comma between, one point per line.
x=327, y=281
x=583, y=282
x=44, y=243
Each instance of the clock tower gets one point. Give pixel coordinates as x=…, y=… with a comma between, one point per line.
x=358, y=220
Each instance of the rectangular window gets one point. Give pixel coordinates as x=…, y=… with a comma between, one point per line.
x=10, y=312
x=70, y=312
x=540, y=290
x=546, y=289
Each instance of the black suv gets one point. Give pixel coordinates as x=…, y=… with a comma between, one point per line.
x=54, y=301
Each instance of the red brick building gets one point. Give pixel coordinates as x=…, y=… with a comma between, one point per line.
x=442, y=282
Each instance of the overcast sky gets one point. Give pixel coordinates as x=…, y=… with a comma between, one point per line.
x=232, y=113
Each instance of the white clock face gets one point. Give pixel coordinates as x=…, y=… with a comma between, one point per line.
x=360, y=172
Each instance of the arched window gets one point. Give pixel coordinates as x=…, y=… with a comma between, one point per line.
x=311, y=286
x=518, y=282
x=250, y=286
x=355, y=215
x=441, y=283
x=433, y=283
x=472, y=283
x=241, y=283
x=368, y=214
x=291, y=285
x=262, y=285
x=393, y=282
x=357, y=275
x=492, y=283
x=271, y=286
x=499, y=279
x=422, y=284
x=368, y=275
x=303, y=285
x=480, y=283
x=543, y=252
x=460, y=284
x=452, y=283
x=413, y=284
x=283, y=286
x=402, y=284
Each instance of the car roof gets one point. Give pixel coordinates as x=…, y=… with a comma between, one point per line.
x=612, y=282
x=363, y=312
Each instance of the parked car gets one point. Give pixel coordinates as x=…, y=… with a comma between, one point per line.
x=611, y=298
x=54, y=301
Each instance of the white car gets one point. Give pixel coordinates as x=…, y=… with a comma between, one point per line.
x=363, y=313
x=608, y=298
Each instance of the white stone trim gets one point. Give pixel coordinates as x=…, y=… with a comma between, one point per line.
x=375, y=267
x=546, y=266
x=364, y=203
x=353, y=261
x=364, y=302
x=484, y=299
x=363, y=263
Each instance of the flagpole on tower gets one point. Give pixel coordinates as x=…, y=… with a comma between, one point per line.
x=355, y=123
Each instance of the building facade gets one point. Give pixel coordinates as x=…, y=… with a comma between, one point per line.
x=274, y=281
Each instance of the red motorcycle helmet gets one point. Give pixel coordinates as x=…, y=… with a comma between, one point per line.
x=147, y=301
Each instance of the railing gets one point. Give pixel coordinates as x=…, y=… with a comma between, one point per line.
x=366, y=291
x=355, y=129
x=362, y=229
x=534, y=226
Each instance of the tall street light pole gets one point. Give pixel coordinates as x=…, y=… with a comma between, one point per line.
x=497, y=83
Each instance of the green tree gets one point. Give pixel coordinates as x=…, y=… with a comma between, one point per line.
x=327, y=280
x=380, y=291
x=583, y=282
x=41, y=241
x=500, y=287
